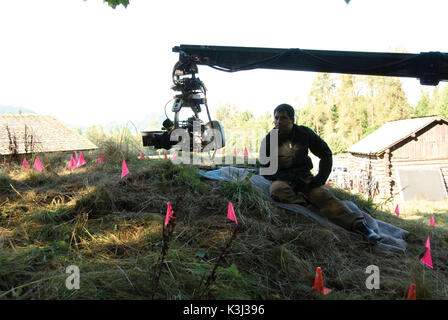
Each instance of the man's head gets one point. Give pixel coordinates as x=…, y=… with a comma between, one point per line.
x=284, y=118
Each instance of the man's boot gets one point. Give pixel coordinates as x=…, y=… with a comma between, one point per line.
x=367, y=233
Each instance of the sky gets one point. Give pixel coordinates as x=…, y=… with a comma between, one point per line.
x=87, y=64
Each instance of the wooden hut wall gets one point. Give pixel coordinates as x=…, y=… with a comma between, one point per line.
x=373, y=164
x=427, y=148
x=430, y=143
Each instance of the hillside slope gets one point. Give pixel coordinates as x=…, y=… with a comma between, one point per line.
x=111, y=229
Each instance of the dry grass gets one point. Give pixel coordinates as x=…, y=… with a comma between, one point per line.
x=111, y=228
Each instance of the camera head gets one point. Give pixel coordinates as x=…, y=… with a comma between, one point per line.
x=192, y=95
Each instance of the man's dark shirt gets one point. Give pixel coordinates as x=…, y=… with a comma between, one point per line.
x=294, y=164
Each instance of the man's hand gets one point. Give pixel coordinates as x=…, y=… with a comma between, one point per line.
x=305, y=185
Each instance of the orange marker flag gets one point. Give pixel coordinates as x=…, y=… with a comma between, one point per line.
x=397, y=211
x=81, y=160
x=411, y=293
x=245, y=153
x=124, y=169
x=427, y=259
x=319, y=283
x=231, y=213
x=169, y=213
x=166, y=156
x=38, y=165
x=25, y=164
x=433, y=222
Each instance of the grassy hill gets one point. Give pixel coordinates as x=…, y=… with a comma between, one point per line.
x=111, y=228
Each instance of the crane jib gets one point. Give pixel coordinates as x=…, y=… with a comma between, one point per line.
x=429, y=67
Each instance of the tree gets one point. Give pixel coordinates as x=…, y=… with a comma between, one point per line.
x=443, y=104
x=351, y=110
x=435, y=101
x=422, y=108
x=304, y=117
x=320, y=100
x=246, y=116
x=264, y=122
x=387, y=99
x=115, y=3
x=227, y=114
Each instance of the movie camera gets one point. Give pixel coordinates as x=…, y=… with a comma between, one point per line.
x=191, y=94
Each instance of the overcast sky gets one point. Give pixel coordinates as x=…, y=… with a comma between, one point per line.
x=86, y=63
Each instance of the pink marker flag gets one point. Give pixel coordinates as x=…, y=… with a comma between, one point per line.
x=142, y=156
x=218, y=152
x=427, y=244
x=169, y=213
x=397, y=211
x=38, y=165
x=25, y=164
x=427, y=259
x=75, y=161
x=124, y=169
x=174, y=156
x=100, y=159
x=433, y=222
x=246, y=154
x=231, y=213
x=234, y=152
x=81, y=160
x=71, y=165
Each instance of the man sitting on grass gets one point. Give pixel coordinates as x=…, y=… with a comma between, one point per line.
x=293, y=181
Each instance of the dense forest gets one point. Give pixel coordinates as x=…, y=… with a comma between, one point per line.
x=342, y=109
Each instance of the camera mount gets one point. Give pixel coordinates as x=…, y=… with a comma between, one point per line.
x=192, y=95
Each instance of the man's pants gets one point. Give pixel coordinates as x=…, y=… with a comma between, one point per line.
x=329, y=206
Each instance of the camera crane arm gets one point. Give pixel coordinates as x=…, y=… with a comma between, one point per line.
x=428, y=67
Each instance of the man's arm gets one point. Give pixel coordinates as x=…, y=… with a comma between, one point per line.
x=320, y=148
